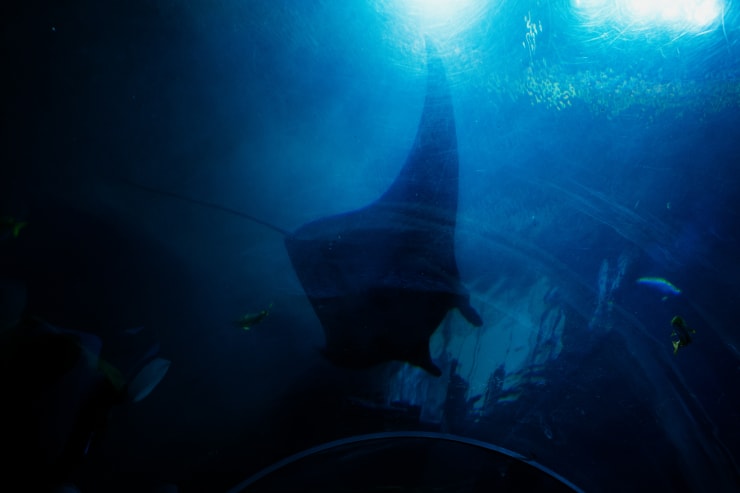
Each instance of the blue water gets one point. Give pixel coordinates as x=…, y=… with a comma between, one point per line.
x=590, y=156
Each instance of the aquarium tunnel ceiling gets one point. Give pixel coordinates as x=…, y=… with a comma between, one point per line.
x=371, y=245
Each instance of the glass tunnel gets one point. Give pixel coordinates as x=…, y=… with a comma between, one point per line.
x=370, y=246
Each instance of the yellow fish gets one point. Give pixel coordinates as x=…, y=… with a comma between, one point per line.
x=681, y=332
x=10, y=227
x=251, y=319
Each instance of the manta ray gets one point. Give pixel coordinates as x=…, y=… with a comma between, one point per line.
x=382, y=278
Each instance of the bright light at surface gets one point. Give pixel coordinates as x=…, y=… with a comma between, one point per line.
x=445, y=15
x=675, y=15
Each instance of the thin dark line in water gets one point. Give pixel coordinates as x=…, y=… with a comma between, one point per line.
x=205, y=203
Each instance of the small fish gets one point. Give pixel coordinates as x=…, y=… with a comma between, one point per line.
x=251, y=319
x=681, y=333
x=10, y=227
x=662, y=285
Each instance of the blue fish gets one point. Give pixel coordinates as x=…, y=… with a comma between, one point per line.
x=662, y=285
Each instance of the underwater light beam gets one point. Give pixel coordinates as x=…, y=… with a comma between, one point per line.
x=441, y=15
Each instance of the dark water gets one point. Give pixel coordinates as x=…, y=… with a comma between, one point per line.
x=590, y=156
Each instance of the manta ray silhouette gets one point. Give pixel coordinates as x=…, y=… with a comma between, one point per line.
x=382, y=278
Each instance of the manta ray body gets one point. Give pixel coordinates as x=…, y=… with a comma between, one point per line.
x=382, y=278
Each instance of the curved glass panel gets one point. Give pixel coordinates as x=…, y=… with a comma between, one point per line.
x=405, y=461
